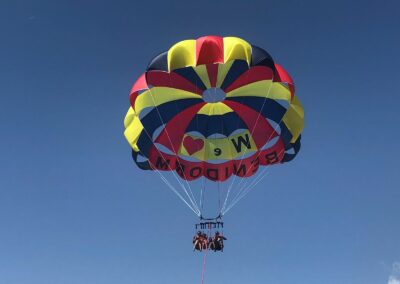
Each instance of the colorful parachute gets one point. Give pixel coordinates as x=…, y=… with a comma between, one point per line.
x=213, y=108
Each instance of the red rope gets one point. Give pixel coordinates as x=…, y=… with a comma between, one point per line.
x=204, y=267
x=203, y=272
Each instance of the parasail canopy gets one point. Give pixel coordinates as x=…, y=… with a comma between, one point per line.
x=213, y=108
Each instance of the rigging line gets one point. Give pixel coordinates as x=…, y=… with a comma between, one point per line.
x=245, y=150
x=251, y=186
x=176, y=192
x=187, y=183
x=204, y=158
x=194, y=198
x=251, y=133
x=173, y=172
x=201, y=196
x=239, y=193
x=242, y=185
x=258, y=176
x=219, y=197
x=259, y=153
x=204, y=191
x=219, y=183
x=189, y=187
x=213, y=138
x=225, y=196
x=195, y=210
x=269, y=138
x=245, y=191
x=229, y=188
x=165, y=180
x=233, y=179
x=201, y=201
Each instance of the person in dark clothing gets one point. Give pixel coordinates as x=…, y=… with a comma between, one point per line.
x=217, y=242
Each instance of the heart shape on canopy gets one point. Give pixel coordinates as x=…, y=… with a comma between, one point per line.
x=193, y=145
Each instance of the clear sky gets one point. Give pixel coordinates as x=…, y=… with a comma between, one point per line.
x=75, y=210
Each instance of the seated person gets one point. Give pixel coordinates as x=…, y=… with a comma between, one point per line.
x=217, y=242
x=200, y=241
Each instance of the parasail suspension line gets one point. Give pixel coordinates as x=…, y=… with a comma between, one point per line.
x=191, y=198
x=164, y=179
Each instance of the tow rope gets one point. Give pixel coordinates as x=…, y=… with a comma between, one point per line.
x=203, y=272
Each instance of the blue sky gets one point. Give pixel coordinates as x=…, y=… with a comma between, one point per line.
x=75, y=209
